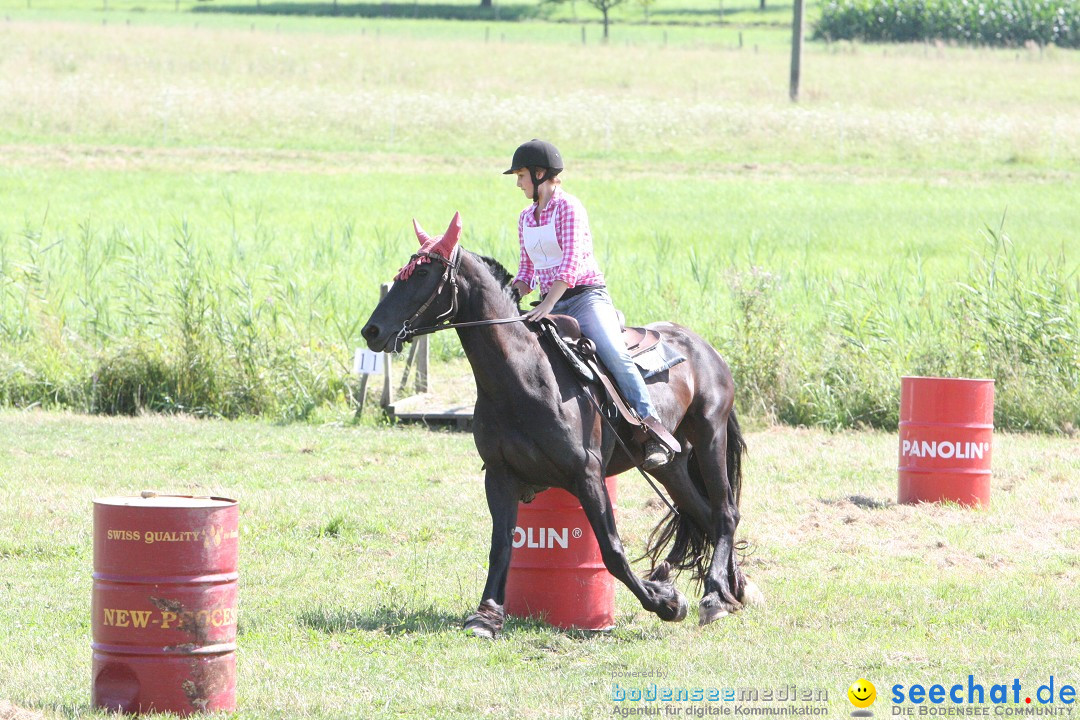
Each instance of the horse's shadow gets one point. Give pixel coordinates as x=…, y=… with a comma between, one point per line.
x=407, y=621
x=390, y=620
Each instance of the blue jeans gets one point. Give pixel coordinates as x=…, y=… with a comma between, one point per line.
x=599, y=322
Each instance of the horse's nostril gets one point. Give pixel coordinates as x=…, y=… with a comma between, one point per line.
x=370, y=332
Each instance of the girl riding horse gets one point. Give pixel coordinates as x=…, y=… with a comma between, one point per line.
x=557, y=258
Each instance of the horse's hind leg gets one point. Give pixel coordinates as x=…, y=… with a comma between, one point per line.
x=723, y=582
x=656, y=594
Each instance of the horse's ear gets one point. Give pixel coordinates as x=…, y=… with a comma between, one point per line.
x=422, y=236
x=450, y=238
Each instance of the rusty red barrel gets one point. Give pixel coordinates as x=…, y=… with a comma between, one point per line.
x=556, y=571
x=165, y=603
x=946, y=434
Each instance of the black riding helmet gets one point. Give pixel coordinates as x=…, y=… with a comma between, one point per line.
x=533, y=155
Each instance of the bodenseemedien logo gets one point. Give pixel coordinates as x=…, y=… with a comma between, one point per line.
x=862, y=695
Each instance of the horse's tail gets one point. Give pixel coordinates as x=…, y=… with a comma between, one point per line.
x=736, y=446
x=691, y=548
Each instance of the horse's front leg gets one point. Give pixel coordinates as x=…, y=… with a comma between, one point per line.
x=501, y=489
x=656, y=594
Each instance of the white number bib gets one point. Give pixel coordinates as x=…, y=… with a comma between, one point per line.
x=542, y=247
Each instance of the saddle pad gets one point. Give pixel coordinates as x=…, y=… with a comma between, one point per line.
x=657, y=359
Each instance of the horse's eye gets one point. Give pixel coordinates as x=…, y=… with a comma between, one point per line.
x=422, y=272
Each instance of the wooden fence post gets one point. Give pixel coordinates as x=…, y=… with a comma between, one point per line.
x=796, y=50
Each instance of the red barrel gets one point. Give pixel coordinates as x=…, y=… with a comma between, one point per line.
x=165, y=604
x=946, y=434
x=556, y=571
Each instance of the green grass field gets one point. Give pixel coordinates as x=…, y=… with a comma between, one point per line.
x=211, y=199
x=362, y=550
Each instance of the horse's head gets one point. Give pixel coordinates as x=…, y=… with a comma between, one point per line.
x=424, y=291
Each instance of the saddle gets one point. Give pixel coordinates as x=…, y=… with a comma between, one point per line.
x=638, y=340
x=645, y=346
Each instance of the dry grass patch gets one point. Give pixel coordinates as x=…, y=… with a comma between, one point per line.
x=11, y=712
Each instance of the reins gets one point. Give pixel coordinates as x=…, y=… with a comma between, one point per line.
x=471, y=323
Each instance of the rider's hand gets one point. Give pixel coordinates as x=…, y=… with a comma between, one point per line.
x=541, y=311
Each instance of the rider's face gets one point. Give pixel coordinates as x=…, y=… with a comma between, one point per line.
x=524, y=181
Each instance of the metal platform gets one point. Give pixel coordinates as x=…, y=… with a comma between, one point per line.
x=428, y=410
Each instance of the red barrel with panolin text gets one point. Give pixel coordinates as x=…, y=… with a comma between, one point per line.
x=946, y=435
x=556, y=571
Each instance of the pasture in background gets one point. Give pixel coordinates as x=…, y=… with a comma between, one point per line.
x=739, y=13
x=362, y=552
x=199, y=207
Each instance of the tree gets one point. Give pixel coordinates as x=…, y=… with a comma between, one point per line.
x=605, y=6
x=646, y=5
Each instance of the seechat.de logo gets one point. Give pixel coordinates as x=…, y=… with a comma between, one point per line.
x=862, y=695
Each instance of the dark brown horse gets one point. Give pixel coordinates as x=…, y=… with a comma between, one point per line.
x=535, y=427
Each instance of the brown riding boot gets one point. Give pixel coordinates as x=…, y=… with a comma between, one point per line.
x=660, y=446
x=656, y=455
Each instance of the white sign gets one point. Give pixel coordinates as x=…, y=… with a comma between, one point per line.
x=367, y=362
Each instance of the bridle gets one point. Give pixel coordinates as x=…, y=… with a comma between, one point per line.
x=443, y=320
x=449, y=276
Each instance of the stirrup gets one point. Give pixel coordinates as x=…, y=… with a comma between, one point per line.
x=660, y=433
x=656, y=455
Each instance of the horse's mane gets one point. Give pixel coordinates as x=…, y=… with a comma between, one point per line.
x=502, y=276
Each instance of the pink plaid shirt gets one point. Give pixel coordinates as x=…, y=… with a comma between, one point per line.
x=578, y=266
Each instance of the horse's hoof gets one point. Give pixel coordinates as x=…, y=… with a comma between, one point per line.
x=487, y=621
x=684, y=608
x=673, y=608
x=480, y=630
x=708, y=615
x=751, y=595
x=712, y=608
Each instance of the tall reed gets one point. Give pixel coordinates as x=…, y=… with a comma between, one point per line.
x=110, y=322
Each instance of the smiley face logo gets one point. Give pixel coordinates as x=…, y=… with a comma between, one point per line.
x=862, y=693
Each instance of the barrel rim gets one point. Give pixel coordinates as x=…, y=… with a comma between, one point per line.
x=589, y=567
x=948, y=379
x=943, y=424
x=148, y=503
